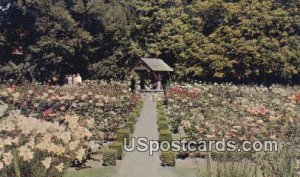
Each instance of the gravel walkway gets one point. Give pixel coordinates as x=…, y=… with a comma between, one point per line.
x=141, y=164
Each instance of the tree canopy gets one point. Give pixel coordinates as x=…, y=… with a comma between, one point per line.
x=241, y=41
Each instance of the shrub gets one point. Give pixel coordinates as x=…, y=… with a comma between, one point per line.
x=10, y=71
x=132, y=117
x=140, y=106
x=168, y=158
x=161, y=112
x=165, y=135
x=159, y=105
x=163, y=125
x=110, y=157
x=130, y=125
x=182, y=154
x=136, y=112
x=162, y=117
x=122, y=134
x=118, y=146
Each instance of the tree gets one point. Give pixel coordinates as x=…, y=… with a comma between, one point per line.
x=240, y=41
x=58, y=39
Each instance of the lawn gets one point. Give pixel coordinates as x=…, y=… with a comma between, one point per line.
x=93, y=172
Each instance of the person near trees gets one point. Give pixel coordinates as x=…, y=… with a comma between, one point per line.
x=132, y=85
x=164, y=83
x=69, y=78
x=142, y=83
x=73, y=79
x=66, y=80
x=77, y=80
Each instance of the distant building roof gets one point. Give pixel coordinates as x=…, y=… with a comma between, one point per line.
x=156, y=64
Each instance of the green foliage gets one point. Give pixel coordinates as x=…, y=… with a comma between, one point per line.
x=221, y=41
x=132, y=117
x=118, y=146
x=130, y=126
x=122, y=134
x=16, y=165
x=161, y=115
x=168, y=158
x=139, y=108
x=10, y=71
x=162, y=118
x=165, y=135
x=57, y=45
x=159, y=105
x=233, y=169
x=161, y=112
x=110, y=157
x=2, y=40
x=63, y=37
x=282, y=163
x=163, y=125
x=217, y=40
x=137, y=112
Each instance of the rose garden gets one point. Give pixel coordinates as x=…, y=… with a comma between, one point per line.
x=55, y=131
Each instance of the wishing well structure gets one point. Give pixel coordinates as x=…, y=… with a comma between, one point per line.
x=153, y=69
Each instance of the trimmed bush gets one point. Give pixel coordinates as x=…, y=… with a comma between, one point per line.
x=122, y=134
x=137, y=112
x=161, y=112
x=109, y=157
x=132, y=117
x=163, y=125
x=118, y=146
x=165, y=135
x=159, y=105
x=168, y=158
x=140, y=106
x=182, y=154
x=162, y=117
x=130, y=125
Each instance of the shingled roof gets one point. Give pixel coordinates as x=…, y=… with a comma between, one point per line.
x=156, y=64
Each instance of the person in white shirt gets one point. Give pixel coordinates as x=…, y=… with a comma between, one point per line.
x=77, y=80
x=69, y=78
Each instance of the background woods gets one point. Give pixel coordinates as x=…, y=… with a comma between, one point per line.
x=230, y=40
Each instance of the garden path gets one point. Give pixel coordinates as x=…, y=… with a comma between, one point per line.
x=141, y=164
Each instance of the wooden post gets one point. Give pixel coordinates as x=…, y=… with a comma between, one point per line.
x=159, y=82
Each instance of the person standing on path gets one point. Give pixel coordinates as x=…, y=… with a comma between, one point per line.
x=164, y=83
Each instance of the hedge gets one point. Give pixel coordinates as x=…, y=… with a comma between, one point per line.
x=132, y=117
x=165, y=135
x=110, y=157
x=162, y=118
x=122, y=134
x=168, y=158
x=163, y=125
x=130, y=126
x=118, y=146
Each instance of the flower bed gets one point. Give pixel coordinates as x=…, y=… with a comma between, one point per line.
x=55, y=126
x=106, y=104
x=238, y=113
